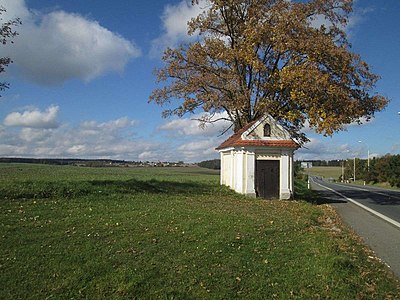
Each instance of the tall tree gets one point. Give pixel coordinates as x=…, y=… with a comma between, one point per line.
x=269, y=56
x=6, y=36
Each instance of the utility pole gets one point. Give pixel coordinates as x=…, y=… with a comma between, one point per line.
x=342, y=171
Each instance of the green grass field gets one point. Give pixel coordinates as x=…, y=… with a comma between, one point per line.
x=326, y=172
x=121, y=233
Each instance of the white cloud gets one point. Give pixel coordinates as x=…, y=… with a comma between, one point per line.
x=355, y=18
x=111, y=139
x=358, y=16
x=34, y=118
x=15, y=9
x=192, y=142
x=202, y=145
x=175, y=20
x=89, y=139
x=200, y=149
x=191, y=126
x=55, y=47
x=111, y=125
x=76, y=149
x=148, y=155
x=34, y=134
x=364, y=122
x=185, y=127
x=30, y=134
x=176, y=17
x=93, y=138
x=326, y=149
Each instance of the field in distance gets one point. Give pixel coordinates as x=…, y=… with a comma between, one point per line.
x=171, y=233
x=326, y=172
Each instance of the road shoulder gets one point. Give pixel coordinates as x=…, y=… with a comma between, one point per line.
x=382, y=237
x=374, y=231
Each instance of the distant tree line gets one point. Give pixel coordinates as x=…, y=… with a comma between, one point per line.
x=382, y=169
x=61, y=161
x=49, y=161
x=90, y=162
x=214, y=164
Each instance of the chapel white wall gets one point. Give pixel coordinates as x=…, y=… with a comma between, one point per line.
x=238, y=169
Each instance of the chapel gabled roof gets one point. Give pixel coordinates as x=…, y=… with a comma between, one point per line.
x=237, y=140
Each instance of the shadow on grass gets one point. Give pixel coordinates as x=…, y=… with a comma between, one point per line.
x=154, y=186
x=69, y=189
x=315, y=197
x=326, y=197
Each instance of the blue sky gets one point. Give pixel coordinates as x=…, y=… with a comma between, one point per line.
x=83, y=72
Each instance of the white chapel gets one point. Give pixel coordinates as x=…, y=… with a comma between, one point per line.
x=258, y=160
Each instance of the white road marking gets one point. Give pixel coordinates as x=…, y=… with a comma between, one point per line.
x=387, y=219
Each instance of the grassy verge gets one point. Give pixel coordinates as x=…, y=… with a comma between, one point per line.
x=302, y=192
x=69, y=232
x=385, y=185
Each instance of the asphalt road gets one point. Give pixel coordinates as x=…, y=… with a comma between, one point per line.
x=374, y=214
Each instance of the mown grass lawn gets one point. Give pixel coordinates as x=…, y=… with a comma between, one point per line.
x=98, y=233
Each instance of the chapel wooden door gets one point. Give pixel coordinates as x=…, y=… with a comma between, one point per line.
x=267, y=179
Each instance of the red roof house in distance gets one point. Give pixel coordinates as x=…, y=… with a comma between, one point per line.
x=258, y=160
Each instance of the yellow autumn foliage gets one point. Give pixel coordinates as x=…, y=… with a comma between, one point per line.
x=262, y=56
